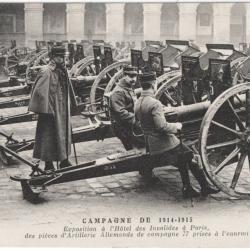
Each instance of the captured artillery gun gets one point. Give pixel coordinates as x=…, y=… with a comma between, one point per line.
x=100, y=129
x=13, y=64
x=80, y=84
x=83, y=72
x=207, y=115
x=182, y=84
x=146, y=59
x=96, y=129
x=115, y=69
x=21, y=70
x=100, y=86
x=15, y=56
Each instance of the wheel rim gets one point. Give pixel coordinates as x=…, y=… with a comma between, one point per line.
x=224, y=156
x=14, y=57
x=112, y=74
x=168, y=92
x=41, y=59
x=86, y=68
x=236, y=66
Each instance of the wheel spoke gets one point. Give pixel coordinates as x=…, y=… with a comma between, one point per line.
x=226, y=128
x=101, y=88
x=88, y=70
x=169, y=98
x=223, y=144
x=12, y=66
x=98, y=99
x=43, y=60
x=238, y=170
x=248, y=156
x=109, y=75
x=237, y=118
x=11, y=60
x=92, y=70
x=248, y=109
x=240, y=77
x=15, y=57
x=225, y=161
x=240, y=101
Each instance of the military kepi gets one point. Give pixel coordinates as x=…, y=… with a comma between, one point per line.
x=130, y=70
x=147, y=77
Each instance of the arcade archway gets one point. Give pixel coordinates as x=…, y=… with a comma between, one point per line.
x=238, y=24
x=169, y=21
x=54, y=21
x=95, y=21
x=133, y=21
x=12, y=23
x=204, y=23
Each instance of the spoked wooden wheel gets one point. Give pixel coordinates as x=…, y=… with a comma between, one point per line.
x=238, y=78
x=14, y=57
x=100, y=84
x=169, y=91
x=86, y=67
x=29, y=56
x=75, y=70
x=225, y=141
x=40, y=59
x=236, y=69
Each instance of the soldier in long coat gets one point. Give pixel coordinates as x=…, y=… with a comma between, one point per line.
x=50, y=100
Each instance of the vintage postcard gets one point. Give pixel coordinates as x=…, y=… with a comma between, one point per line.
x=124, y=124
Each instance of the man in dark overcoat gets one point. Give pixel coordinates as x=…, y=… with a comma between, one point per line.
x=50, y=100
x=161, y=142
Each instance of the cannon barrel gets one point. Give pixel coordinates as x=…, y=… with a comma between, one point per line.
x=86, y=80
x=190, y=111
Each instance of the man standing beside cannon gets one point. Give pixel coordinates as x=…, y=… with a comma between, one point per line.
x=161, y=142
x=122, y=103
x=50, y=100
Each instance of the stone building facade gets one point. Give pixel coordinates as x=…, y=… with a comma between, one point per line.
x=201, y=22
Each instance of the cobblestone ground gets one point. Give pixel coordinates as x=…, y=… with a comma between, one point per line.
x=118, y=195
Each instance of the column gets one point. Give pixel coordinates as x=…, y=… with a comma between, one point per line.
x=187, y=21
x=152, y=21
x=221, y=22
x=114, y=21
x=247, y=22
x=75, y=21
x=33, y=23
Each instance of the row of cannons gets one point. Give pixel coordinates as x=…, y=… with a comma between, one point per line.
x=207, y=91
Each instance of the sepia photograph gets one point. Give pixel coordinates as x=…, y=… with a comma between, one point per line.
x=125, y=124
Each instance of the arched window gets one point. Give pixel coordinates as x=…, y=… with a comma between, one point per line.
x=204, y=23
x=95, y=21
x=133, y=21
x=11, y=18
x=169, y=21
x=54, y=21
x=238, y=24
x=12, y=23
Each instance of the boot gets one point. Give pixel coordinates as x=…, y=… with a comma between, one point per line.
x=201, y=178
x=65, y=163
x=187, y=191
x=49, y=166
x=148, y=176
